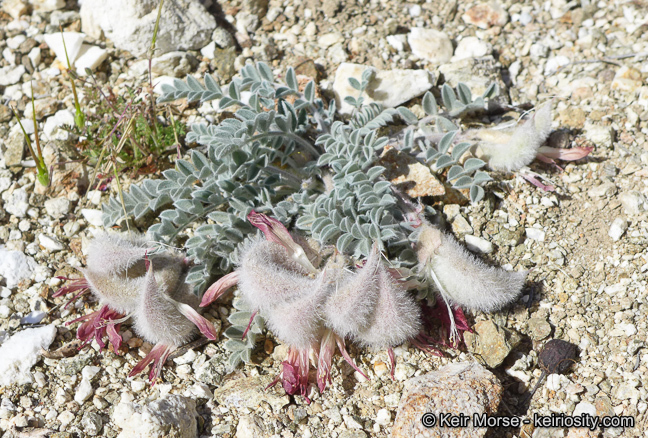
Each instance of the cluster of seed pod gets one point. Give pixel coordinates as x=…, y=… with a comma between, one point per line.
x=132, y=279
x=314, y=309
x=310, y=309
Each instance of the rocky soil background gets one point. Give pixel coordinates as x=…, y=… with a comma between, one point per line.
x=585, y=243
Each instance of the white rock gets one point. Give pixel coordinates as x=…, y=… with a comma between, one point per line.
x=15, y=8
x=209, y=50
x=5, y=311
x=35, y=56
x=184, y=24
x=34, y=317
x=584, y=408
x=170, y=416
x=53, y=123
x=553, y=382
x=47, y=5
x=618, y=227
x=383, y=417
x=89, y=57
x=603, y=190
x=398, y=42
x=65, y=418
x=50, y=243
x=73, y=43
x=15, y=266
x=389, y=88
x=21, y=351
x=138, y=385
x=14, y=42
x=177, y=64
x=9, y=56
x=186, y=358
x=11, y=75
x=633, y=202
x=599, y=135
x=83, y=392
x=415, y=10
x=328, y=39
x=535, y=234
x=92, y=216
x=555, y=63
x=429, y=44
x=471, y=47
x=57, y=207
x=477, y=244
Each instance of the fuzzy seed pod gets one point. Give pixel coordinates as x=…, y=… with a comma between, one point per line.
x=351, y=304
x=298, y=321
x=158, y=318
x=267, y=276
x=113, y=254
x=461, y=277
x=510, y=150
x=396, y=317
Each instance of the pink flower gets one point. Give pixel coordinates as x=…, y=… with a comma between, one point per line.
x=98, y=324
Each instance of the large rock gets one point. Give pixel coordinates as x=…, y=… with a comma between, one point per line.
x=390, y=88
x=171, y=417
x=249, y=392
x=461, y=388
x=432, y=45
x=184, y=25
x=16, y=266
x=21, y=351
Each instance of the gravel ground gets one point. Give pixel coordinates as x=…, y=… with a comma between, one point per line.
x=584, y=244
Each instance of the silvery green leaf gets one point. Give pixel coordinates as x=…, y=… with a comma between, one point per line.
x=473, y=164
x=381, y=187
x=454, y=172
x=448, y=96
x=408, y=140
x=460, y=149
x=481, y=177
x=355, y=84
x=234, y=360
x=444, y=161
x=328, y=233
x=446, y=141
x=309, y=91
x=240, y=318
x=246, y=355
x=491, y=91
x=351, y=101
x=476, y=194
x=375, y=172
x=387, y=200
x=407, y=115
x=193, y=84
x=291, y=79
x=463, y=183
x=368, y=75
x=465, y=96
x=212, y=85
x=445, y=125
x=234, y=332
x=235, y=345
x=344, y=242
x=429, y=104
x=265, y=71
